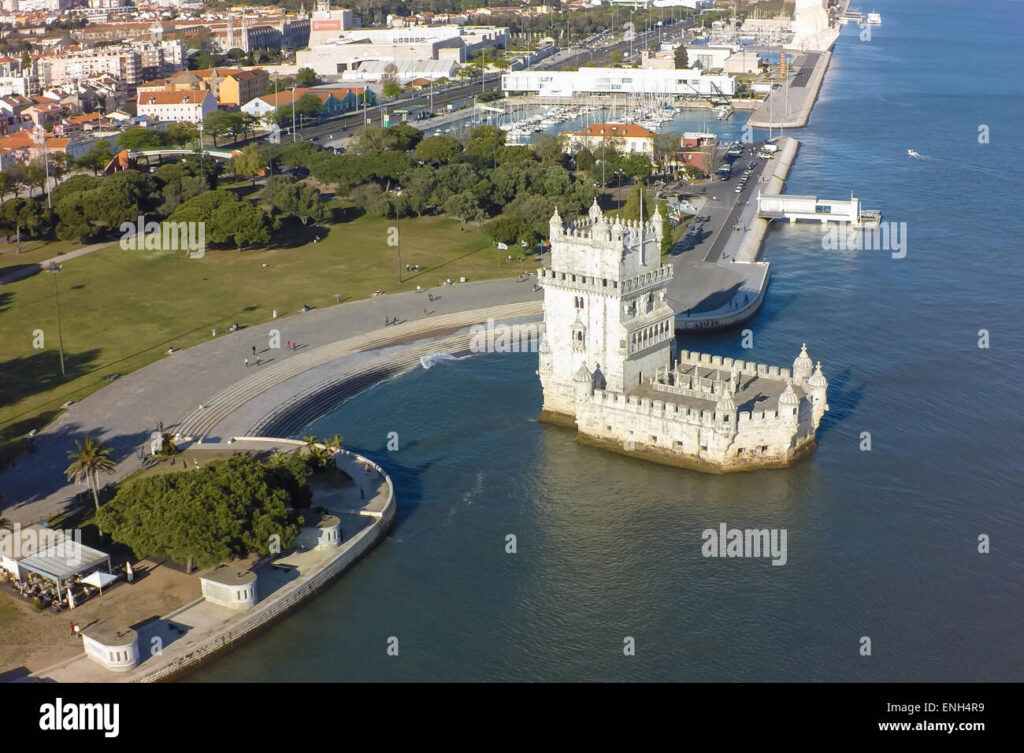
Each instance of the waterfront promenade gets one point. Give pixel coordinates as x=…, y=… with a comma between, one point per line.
x=126, y=412
x=172, y=644
x=718, y=280
x=790, y=107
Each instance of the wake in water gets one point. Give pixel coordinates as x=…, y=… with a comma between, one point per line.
x=428, y=362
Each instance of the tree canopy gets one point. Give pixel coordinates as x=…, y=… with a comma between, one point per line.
x=225, y=510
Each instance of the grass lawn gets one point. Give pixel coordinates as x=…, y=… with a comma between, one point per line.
x=33, y=252
x=121, y=310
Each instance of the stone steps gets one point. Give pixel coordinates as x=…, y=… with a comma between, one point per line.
x=201, y=422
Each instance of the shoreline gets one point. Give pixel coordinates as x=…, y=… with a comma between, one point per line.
x=234, y=628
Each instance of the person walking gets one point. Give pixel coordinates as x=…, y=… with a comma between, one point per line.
x=247, y=362
x=254, y=350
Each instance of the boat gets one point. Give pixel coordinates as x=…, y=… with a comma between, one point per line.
x=874, y=19
x=912, y=153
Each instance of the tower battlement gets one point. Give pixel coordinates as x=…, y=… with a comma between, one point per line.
x=606, y=363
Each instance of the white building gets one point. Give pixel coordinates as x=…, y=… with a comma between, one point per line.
x=606, y=362
x=628, y=138
x=349, y=49
x=683, y=82
x=177, y=106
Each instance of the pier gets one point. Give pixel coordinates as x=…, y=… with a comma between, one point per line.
x=811, y=208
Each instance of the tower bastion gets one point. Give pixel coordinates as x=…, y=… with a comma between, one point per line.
x=607, y=364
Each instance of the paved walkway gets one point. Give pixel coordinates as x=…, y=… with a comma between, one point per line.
x=706, y=281
x=125, y=413
x=791, y=108
x=27, y=270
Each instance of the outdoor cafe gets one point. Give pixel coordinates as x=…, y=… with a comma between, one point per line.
x=64, y=574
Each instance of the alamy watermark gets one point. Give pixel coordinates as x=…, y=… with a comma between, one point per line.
x=503, y=338
x=164, y=236
x=769, y=543
x=885, y=236
x=17, y=543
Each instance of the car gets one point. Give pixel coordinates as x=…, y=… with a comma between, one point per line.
x=739, y=188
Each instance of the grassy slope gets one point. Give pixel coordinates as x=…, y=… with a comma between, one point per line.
x=121, y=309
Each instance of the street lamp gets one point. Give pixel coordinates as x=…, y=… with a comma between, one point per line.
x=55, y=268
x=294, y=136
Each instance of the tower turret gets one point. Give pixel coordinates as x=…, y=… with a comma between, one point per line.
x=583, y=384
x=802, y=366
x=656, y=221
x=555, y=225
x=789, y=405
x=817, y=388
x=725, y=413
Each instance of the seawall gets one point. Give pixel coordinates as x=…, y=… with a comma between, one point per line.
x=765, y=116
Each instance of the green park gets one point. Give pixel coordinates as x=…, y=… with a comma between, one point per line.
x=286, y=228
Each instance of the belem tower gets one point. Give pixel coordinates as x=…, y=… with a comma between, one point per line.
x=607, y=364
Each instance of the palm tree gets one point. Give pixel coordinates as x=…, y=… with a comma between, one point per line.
x=335, y=442
x=88, y=463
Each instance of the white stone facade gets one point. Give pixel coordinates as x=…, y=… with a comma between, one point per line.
x=606, y=362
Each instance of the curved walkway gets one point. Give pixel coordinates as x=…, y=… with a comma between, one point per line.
x=213, y=374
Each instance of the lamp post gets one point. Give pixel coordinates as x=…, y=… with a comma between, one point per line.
x=54, y=268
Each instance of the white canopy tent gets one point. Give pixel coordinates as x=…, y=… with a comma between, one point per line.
x=99, y=579
x=65, y=560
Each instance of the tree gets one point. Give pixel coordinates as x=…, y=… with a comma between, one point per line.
x=464, y=206
x=249, y=163
x=95, y=159
x=681, y=58
x=225, y=510
x=631, y=209
x=550, y=148
x=390, y=90
x=298, y=199
x=308, y=106
x=182, y=134
x=584, y=160
x=217, y=123
x=138, y=139
x=305, y=77
x=90, y=461
x=7, y=184
x=440, y=149
x=26, y=216
x=616, y=56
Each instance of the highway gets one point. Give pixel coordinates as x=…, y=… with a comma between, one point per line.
x=573, y=58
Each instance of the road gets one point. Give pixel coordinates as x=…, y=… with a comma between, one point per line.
x=572, y=58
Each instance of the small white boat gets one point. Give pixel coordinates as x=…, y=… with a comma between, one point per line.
x=912, y=153
x=874, y=19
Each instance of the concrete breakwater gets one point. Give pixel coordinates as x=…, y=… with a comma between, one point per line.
x=798, y=99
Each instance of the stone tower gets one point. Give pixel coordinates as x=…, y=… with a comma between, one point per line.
x=605, y=313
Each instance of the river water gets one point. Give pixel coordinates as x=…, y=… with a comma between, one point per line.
x=881, y=544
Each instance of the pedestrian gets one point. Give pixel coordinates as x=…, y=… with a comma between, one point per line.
x=72, y=627
x=247, y=362
x=362, y=494
x=424, y=309
x=254, y=350
x=385, y=320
